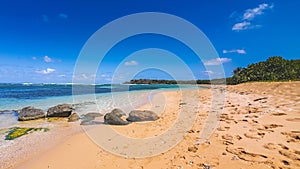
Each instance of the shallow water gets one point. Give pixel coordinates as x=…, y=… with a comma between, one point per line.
x=126, y=97
x=8, y=119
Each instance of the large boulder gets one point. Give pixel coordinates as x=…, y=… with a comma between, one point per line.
x=115, y=117
x=142, y=115
x=62, y=110
x=30, y=113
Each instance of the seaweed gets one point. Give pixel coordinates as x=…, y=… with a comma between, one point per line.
x=18, y=132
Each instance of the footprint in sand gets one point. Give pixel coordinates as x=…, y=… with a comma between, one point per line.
x=290, y=154
x=293, y=136
x=270, y=146
x=228, y=139
x=278, y=114
x=268, y=127
x=223, y=128
x=242, y=154
x=293, y=119
x=253, y=134
x=272, y=126
x=285, y=151
x=228, y=119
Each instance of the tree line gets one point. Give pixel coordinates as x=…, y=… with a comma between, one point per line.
x=274, y=68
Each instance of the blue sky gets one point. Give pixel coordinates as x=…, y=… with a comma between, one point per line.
x=41, y=40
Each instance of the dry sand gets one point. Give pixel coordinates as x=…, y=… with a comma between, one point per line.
x=258, y=128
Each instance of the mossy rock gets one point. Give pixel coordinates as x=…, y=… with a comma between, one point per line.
x=18, y=132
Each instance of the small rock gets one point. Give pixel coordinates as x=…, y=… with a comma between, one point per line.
x=73, y=117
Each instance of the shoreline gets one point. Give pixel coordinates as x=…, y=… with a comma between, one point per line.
x=253, y=115
x=59, y=128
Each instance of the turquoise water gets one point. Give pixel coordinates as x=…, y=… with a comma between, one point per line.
x=86, y=98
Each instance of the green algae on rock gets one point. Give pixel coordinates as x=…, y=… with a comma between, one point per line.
x=20, y=131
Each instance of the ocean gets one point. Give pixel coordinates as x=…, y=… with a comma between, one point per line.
x=86, y=98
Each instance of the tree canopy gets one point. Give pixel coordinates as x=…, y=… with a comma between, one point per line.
x=273, y=69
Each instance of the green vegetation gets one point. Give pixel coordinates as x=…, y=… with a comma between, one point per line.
x=273, y=69
x=18, y=132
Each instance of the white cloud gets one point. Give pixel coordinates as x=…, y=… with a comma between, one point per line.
x=248, y=17
x=250, y=14
x=47, y=59
x=241, y=26
x=63, y=16
x=131, y=63
x=47, y=71
x=239, y=51
x=84, y=76
x=216, y=61
x=244, y=26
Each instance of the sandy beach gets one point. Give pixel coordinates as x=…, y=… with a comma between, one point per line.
x=258, y=128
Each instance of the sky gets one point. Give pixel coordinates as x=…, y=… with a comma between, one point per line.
x=42, y=40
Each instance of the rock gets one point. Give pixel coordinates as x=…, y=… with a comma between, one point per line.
x=73, y=117
x=142, y=115
x=115, y=117
x=30, y=113
x=62, y=110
